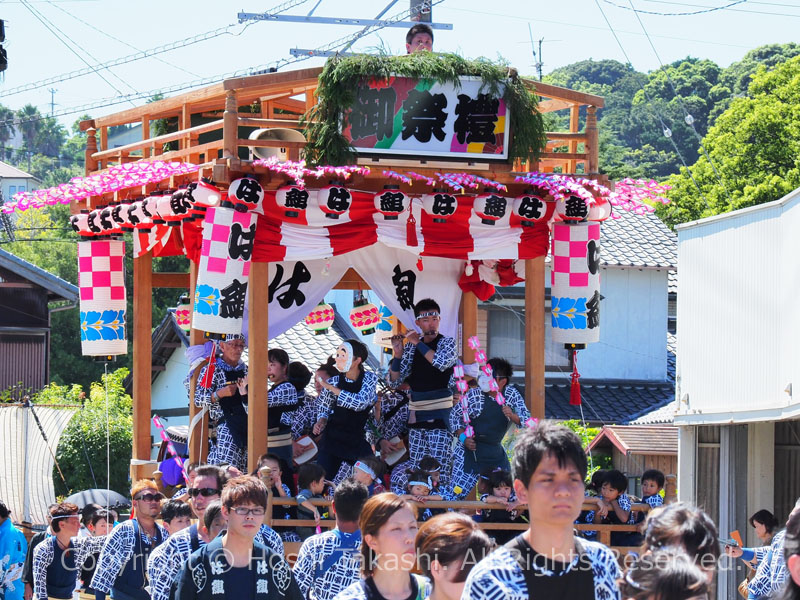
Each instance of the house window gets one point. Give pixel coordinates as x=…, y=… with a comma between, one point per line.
x=12, y=189
x=21, y=188
x=506, y=334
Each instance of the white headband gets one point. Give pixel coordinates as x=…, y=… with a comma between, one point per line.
x=365, y=467
x=422, y=483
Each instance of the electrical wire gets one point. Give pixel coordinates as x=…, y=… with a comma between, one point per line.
x=741, y=10
x=688, y=118
x=116, y=39
x=683, y=14
x=47, y=25
x=666, y=130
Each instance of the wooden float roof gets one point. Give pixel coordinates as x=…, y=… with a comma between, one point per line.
x=274, y=86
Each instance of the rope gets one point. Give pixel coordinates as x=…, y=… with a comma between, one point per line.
x=28, y=405
x=108, y=439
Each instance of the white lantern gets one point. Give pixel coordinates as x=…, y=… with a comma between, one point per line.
x=531, y=208
x=246, y=194
x=224, y=270
x=490, y=208
x=391, y=202
x=334, y=200
x=572, y=208
x=575, y=283
x=600, y=210
x=101, y=278
x=292, y=199
x=203, y=195
x=440, y=204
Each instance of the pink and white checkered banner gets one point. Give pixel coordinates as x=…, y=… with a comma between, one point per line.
x=575, y=282
x=224, y=270
x=101, y=279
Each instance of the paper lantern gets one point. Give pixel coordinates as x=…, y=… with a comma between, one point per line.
x=321, y=318
x=224, y=270
x=93, y=220
x=391, y=202
x=364, y=316
x=600, y=210
x=152, y=204
x=334, y=200
x=80, y=224
x=246, y=194
x=107, y=222
x=101, y=279
x=119, y=214
x=183, y=314
x=181, y=204
x=203, y=195
x=530, y=207
x=383, y=329
x=125, y=215
x=490, y=208
x=140, y=217
x=440, y=205
x=572, y=208
x=575, y=283
x=293, y=199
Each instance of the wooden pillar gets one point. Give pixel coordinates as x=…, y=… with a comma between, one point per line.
x=142, y=354
x=91, y=148
x=103, y=144
x=145, y=135
x=258, y=335
x=469, y=325
x=534, y=335
x=592, y=140
x=198, y=450
x=574, y=115
x=230, y=126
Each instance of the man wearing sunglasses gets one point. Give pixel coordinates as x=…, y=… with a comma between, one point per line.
x=122, y=566
x=236, y=564
x=207, y=486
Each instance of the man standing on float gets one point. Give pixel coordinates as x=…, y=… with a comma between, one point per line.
x=426, y=363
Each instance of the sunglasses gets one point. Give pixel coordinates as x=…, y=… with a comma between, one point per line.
x=157, y=497
x=205, y=492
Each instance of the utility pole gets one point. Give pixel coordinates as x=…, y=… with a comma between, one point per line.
x=538, y=64
x=53, y=100
x=421, y=11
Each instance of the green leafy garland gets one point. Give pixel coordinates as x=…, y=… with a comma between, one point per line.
x=342, y=76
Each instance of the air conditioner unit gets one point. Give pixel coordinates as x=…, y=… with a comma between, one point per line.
x=276, y=134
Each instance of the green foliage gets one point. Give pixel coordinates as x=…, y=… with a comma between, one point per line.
x=82, y=448
x=587, y=434
x=755, y=146
x=342, y=75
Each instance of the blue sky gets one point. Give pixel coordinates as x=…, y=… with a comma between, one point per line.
x=573, y=30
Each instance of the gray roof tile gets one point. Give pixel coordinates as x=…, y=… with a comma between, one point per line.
x=639, y=241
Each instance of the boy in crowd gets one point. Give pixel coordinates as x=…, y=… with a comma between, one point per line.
x=206, y=487
x=57, y=560
x=311, y=481
x=27, y=571
x=235, y=564
x=100, y=525
x=652, y=484
x=419, y=39
x=547, y=560
x=329, y=562
x=122, y=566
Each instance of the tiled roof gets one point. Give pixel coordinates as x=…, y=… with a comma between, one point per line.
x=607, y=403
x=56, y=287
x=639, y=439
x=672, y=282
x=638, y=241
x=665, y=414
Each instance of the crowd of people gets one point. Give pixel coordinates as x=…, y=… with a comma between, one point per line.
x=210, y=538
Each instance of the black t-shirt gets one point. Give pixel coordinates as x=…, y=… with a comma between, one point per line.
x=372, y=593
x=551, y=578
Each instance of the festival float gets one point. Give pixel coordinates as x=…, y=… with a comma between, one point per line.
x=417, y=176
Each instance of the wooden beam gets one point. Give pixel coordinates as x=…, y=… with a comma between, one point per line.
x=171, y=280
x=275, y=80
x=560, y=93
x=230, y=129
x=258, y=330
x=469, y=325
x=161, y=139
x=288, y=123
x=592, y=145
x=351, y=280
x=534, y=335
x=142, y=353
x=574, y=120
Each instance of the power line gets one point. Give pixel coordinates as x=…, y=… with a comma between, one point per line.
x=47, y=24
x=110, y=101
x=742, y=10
x=116, y=39
x=688, y=118
x=683, y=14
x=666, y=130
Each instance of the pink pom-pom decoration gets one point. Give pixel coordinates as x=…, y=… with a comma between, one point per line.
x=474, y=342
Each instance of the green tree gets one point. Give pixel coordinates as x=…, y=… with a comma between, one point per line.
x=29, y=121
x=7, y=128
x=50, y=137
x=102, y=428
x=755, y=146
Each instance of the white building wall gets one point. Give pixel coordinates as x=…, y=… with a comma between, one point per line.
x=737, y=316
x=633, y=326
x=18, y=183
x=169, y=393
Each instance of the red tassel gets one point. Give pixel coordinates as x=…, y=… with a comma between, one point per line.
x=575, y=386
x=420, y=266
x=411, y=230
x=208, y=376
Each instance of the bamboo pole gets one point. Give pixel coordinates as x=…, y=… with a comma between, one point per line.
x=142, y=354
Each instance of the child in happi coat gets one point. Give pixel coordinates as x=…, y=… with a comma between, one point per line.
x=418, y=489
x=274, y=481
x=311, y=480
x=502, y=492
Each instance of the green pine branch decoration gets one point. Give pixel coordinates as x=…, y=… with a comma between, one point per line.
x=342, y=75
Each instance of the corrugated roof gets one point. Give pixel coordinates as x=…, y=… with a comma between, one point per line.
x=638, y=439
x=665, y=414
x=57, y=287
x=606, y=403
x=638, y=241
x=7, y=170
